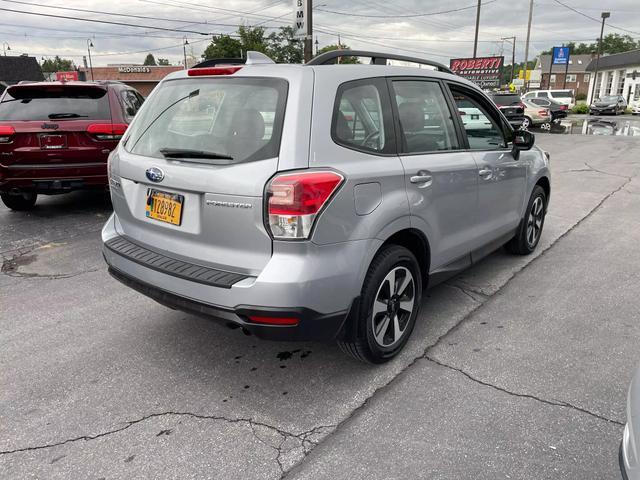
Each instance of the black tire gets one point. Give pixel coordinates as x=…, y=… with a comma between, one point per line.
x=21, y=202
x=521, y=243
x=366, y=347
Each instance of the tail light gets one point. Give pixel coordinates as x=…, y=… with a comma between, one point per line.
x=543, y=113
x=199, y=72
x=295, y=199
x=522, y=106
x=107, y=131
x=460, y=112
x=274, y=320
x=6, y=132
x=564, y=107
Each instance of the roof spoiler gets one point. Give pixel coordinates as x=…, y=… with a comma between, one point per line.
x=253, y=58
x=377, y=58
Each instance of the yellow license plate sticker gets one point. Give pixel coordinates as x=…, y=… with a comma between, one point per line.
x=164, y=206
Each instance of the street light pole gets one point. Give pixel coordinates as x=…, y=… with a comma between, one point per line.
x=5, y=47
x=526, y=45
x=513, y=54
x=89, y=47
x=184, y=51
x=475, y=42
x=604, y=16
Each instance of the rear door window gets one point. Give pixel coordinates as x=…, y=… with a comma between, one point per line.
x=425, y=120
x=240, y=118
x=362, y=116
x=55, y=103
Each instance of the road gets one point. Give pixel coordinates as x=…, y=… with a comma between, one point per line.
x=517, y=368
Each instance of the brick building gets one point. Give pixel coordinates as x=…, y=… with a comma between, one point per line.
x=577, y=76
x=142, y=78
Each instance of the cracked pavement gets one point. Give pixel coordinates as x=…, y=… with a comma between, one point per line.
x=517, y=368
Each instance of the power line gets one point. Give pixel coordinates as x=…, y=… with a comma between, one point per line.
x=593, y=18
x=107, y=22
x=412, y=15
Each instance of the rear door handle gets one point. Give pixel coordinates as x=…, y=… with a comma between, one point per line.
x=485, y=173
x=422, y=178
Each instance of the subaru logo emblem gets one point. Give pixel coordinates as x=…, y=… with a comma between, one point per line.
x=155, y=174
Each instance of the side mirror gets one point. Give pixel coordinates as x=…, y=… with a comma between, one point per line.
x=523, y=140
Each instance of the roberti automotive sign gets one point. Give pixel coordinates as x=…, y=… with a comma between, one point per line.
x=484, y=71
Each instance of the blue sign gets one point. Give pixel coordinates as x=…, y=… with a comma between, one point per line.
x=560, y=55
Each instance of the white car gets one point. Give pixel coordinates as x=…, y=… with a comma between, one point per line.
x=634, y=105
x=565, y=97
x=474, y=119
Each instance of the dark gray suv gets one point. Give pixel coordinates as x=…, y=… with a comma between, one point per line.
x=317, y=201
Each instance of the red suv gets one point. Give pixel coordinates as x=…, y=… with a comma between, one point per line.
x=55, y=137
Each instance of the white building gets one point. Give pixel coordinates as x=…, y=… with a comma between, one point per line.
x=618, y=74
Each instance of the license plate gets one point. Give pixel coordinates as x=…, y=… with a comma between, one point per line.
x=53, y=142
x=164, y=206
x=475, y=116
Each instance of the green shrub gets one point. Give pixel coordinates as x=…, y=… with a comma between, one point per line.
x=581, y=96
x=580, y=108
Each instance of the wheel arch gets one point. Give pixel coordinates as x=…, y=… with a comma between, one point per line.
x=546, y=186
x=417, y=243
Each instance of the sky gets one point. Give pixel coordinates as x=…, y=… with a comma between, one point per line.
x=410, y=27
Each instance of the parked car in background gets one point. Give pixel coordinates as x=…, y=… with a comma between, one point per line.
x=368, y=187
x=558, y=110
x=566, y=97
x=536, y=116
x=55, y=137
x=472, y=117
x=510, y=104
x=613, y=104
x=635, y=107
x=629, y=456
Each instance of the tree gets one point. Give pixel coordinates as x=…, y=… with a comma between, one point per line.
x=342, y=46
x=57, y=64
x=150, y=61
x=253, y=39
x=223, y=46
x=611, y=43
x=284, y=47
x=163, y=61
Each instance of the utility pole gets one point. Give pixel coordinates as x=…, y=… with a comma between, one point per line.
x=89, y=47
x=184, y=51
x=475, y=42
x=308, y=39
x=513, y=54
x=604, y=16
x=526, y=45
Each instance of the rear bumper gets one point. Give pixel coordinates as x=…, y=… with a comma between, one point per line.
x=601, y=111
x=49, y=178
x=311, y=324
x=314, y=284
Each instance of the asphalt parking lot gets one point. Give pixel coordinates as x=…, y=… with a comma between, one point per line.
x=518, y=368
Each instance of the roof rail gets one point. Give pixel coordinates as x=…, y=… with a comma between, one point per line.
x=253, y=58
x=377, y=58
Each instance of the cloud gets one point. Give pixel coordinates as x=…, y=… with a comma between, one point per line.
x=439, y=37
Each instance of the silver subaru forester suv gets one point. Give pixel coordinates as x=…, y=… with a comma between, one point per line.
x=317, y=201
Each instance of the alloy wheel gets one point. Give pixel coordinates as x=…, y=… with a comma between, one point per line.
x=534, y=222
x=393, y=306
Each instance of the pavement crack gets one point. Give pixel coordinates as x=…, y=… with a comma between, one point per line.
x=249, y=421
x=477, y=296
x=606, y=173
x=554, y=403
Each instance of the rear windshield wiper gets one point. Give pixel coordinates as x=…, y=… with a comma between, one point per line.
x=185, y=153
x=65, y=115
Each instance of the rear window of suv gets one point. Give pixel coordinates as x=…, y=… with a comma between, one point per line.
x=506, y=100
x=561, y=93
x=23, y=103
x=236, y=117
